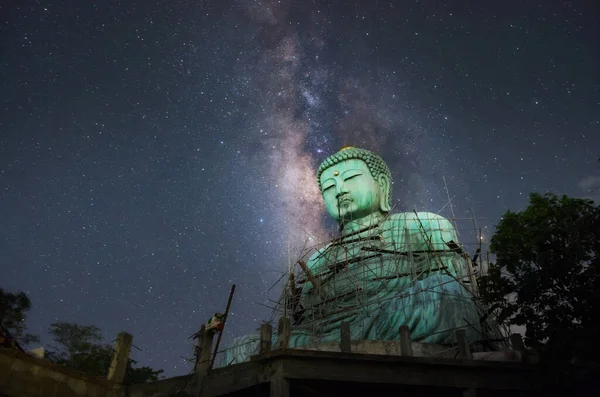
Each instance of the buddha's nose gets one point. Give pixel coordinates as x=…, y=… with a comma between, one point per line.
x=341, y=190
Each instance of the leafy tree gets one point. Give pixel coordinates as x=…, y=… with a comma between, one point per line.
x=13, y=315
x=548, y=266
x=73, y=340
x=141, y=374
x=81, y=348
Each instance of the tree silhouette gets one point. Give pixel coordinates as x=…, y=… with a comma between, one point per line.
x=548, y=265
x=81, y=347
x=13, y=315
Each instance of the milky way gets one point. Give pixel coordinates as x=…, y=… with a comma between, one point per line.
x=309, y=107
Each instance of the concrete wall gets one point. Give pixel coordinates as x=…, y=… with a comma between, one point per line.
x=22, y=375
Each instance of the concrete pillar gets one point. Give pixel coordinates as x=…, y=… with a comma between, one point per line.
x=405, y=342
x=464, y=350
x=120, y=359
x=284, y=329
x=279, y=387
x=469, y=393
x=203, y=350
x=266, y=335
x=345, y=338
x=516, y=342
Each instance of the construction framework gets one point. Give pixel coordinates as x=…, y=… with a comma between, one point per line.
x=454, y=248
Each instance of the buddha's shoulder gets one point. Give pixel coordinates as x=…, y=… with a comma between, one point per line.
x=410, y=219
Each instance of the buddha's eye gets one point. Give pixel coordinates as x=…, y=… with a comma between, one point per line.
x=327, y=187
x=352, y=175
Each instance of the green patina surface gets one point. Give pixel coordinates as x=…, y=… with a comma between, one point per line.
x=385, y=270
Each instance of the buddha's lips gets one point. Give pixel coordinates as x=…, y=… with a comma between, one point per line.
x=342, y=200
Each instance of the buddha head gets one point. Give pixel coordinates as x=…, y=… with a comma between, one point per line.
x=355, y=183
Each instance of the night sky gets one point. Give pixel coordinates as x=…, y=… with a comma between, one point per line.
x=152, y=153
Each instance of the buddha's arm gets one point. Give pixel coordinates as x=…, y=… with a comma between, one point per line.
x=431, y=231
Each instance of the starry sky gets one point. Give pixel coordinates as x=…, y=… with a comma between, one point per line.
x=152, y=153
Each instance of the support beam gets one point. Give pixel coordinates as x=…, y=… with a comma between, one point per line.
x=120, y=359
x=309, y=275
x=411, y=260
x=405, y=342
x=212, y=361
x=283, y=332
x=266, y=335
x=464, y=350
x=345, y=338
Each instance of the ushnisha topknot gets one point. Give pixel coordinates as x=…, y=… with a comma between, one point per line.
x=375, y=164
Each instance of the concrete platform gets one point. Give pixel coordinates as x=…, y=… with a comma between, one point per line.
x=293, y=372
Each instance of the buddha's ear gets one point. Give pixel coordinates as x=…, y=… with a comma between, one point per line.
x=385, y=185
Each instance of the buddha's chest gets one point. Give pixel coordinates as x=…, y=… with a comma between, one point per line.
x=342, y=254
x=357, y=264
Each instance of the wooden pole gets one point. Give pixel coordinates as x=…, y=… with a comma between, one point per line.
x=311, y=277
x=405, y=342
x=212, y=362
x=411, y=261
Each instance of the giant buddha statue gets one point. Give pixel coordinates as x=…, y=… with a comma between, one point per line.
x=384, y=270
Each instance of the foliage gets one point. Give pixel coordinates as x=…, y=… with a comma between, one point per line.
x=13, y=315
x=81, y=348
x=73, y=340
x=141, y=374
x=548, y=266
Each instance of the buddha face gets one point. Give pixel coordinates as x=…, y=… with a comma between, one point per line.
x=350, y=191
